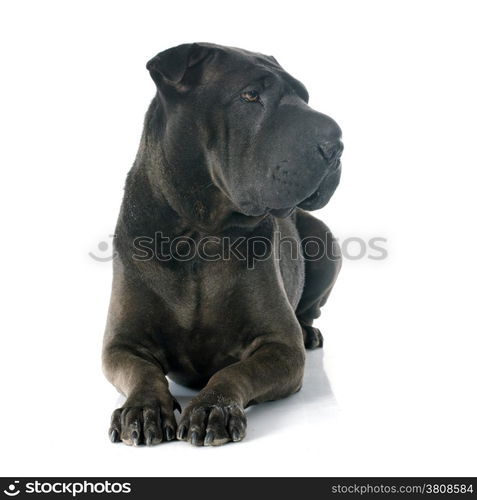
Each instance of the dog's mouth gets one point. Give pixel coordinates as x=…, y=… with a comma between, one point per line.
x=319, y=198
x=316, y=200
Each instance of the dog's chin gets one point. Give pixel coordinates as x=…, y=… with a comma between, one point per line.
x=319, y=198
x=281, y=213
x=255, y=211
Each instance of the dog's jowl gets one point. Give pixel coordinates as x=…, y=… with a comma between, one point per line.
x=219, y=269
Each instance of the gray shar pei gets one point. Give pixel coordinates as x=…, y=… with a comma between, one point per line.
x=209, y=288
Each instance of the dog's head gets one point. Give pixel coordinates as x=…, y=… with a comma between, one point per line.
x=244, y=119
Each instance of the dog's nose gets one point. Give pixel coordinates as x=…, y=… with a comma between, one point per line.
x=330, y=149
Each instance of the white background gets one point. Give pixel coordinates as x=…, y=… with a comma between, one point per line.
x=393, y=392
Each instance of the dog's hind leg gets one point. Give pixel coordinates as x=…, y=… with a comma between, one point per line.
x=322, y=265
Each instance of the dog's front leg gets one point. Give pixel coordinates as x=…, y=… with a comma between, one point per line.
x=147, y=416
x=271, y=371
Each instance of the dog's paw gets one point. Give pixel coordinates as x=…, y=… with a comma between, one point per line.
x=148, y=424
x=312, y=337
x=212, y=424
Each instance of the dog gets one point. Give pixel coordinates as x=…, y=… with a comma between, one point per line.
x=230, y=161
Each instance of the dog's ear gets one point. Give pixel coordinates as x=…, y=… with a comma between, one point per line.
x=170, y=66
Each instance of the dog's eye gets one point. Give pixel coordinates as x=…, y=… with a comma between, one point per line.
x=250, y=96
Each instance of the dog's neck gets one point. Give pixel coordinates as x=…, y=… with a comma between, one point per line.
x=149, y=206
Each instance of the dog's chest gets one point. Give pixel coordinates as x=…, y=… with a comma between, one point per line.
x=223, y=286
x=197, y=292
